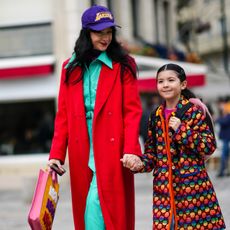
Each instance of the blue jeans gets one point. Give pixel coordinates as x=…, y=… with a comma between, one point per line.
x=224, y=157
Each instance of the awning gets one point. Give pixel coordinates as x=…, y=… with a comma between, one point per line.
x=33, y=78
x=148, y=66
x=27, y=78
x=149, y=85
x=26, y=67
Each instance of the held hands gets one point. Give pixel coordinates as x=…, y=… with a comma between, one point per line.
x=174, y=123
x=132, y=162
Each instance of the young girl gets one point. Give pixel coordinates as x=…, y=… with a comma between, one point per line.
x=183, y=195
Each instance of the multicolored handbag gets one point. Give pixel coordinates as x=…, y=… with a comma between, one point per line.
x=44, y=202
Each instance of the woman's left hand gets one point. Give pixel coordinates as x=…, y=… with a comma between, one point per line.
x=174, y=123
x=132, y=162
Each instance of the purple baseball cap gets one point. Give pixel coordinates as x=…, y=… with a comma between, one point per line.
x=97, y=18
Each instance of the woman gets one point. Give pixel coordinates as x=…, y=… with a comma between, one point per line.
x=98, y=117
x=176, y=149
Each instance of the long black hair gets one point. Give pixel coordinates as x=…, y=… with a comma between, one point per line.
x=84, y=47
x=181, y=75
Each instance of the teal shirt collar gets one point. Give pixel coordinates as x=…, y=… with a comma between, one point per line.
x=103, y=57
x=70, y=60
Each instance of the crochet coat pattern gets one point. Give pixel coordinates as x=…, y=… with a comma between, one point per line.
x=181, y=185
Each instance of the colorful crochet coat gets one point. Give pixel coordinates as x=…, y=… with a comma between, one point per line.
x=181, y=185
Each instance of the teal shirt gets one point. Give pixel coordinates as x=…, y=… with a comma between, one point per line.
x=90, y=82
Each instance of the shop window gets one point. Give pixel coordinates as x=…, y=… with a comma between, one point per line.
x=26, y=127
x=26, y=40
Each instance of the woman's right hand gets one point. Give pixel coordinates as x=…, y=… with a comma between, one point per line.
x=57, y=163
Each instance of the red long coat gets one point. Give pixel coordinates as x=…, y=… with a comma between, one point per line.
x=115, y=132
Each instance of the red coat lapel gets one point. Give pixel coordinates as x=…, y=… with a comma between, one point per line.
x=105, y=85
x=76, y=92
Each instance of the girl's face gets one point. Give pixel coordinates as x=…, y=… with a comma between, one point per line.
x=169, y=86
x=101, y=39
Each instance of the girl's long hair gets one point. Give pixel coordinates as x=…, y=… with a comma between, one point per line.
x=83, y=48
x=181, y=75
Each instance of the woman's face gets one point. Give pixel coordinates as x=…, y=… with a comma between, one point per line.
x=101, y=39
x=169, y=85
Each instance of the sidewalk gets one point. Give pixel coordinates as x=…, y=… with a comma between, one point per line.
x=17, y=187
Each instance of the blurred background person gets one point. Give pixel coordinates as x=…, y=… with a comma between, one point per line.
x=224, y=135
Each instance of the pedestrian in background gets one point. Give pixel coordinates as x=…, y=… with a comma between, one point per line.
x=183, y=195
x=224, y=134
x=98, y=118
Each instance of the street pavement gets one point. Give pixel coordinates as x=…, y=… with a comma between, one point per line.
x=16, y=191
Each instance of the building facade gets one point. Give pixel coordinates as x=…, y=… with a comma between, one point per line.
x=36, y=36
x=208, y=23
